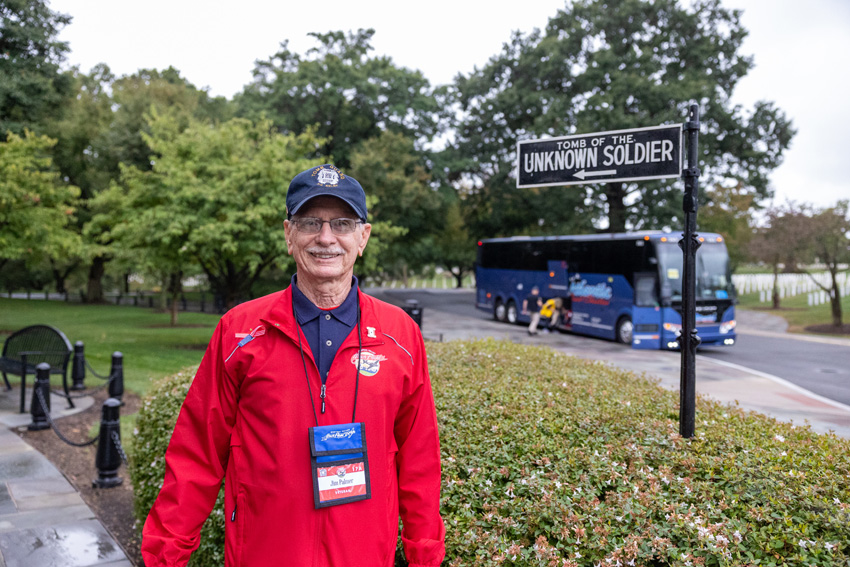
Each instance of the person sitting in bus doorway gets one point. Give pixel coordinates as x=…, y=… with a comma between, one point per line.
x=551, y=312
x=531, y=306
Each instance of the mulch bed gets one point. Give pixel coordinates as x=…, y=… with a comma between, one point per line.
x=829, y=329
x=112, y=506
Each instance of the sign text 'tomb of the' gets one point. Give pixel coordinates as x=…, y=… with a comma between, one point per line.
x=601, y=157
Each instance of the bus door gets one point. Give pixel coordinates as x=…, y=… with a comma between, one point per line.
x=556, y=284
x=646, y=314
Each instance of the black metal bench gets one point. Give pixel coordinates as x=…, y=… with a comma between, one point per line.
x=25, y=349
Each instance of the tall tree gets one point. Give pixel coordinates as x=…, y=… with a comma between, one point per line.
x=36, y=206
x=135, y=96
x=779, y=243
x=728, y=211
x=601, y=65
x=827, y=237
x=133, y=99
x=454, y=248
x=81, y=155
x=212, y=197
x=32, y=85
x=390, y=169
x=342, y=91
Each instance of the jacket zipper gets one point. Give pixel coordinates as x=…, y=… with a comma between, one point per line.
x=233, y=515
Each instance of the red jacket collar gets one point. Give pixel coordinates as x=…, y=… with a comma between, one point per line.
x=280, y=316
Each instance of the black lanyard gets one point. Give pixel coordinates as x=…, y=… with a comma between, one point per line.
x=325, y=378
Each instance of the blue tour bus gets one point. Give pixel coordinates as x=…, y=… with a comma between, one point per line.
x=625, y=287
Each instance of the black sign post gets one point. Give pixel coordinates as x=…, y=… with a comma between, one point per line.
x=602, y=157
x=689, y=340
x=633, y=155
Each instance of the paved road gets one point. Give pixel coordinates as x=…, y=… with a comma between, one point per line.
x=820, y=365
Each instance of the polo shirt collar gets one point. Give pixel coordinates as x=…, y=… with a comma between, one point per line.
x=306, y=310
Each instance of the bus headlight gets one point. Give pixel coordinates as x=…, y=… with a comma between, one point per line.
x=727, y=326
x=728, y=342
x=673, y=328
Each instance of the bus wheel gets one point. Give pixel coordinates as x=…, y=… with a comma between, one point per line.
x=499, y=312
x=512, y=314
x=625, y=330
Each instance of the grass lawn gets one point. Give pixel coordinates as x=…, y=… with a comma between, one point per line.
x=152, y=349
x=796, y=311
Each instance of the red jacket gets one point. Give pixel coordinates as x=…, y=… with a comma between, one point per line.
x=246, y=419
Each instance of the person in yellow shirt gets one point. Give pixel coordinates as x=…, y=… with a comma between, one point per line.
x=551, y=311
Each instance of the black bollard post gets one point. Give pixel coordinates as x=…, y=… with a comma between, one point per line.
x=108, y=459
x=203, y=301
x=78, y=370
x=116, y=376
x=183, y=302
x=38, y=412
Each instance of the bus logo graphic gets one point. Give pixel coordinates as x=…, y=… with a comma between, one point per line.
x=599, y=294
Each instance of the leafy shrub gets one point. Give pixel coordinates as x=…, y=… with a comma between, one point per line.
x=154, y=426
x=552, y=460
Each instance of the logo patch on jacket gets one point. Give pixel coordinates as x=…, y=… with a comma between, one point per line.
x=370, y=362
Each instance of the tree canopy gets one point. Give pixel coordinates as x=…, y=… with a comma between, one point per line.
x=346, y=94
x=213, y=197
x=171, y=183
x=600, y=66
x=36, y=208
x=32, y=84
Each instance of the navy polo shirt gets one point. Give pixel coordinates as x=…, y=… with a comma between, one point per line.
x=325, y=329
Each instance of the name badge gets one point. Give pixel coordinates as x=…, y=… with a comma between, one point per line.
x=340, y=464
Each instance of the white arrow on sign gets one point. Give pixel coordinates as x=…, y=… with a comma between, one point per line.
x=582, y=173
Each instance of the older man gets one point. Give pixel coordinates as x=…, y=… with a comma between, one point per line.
x=315, y=405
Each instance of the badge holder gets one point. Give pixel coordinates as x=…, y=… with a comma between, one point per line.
x=340, y=464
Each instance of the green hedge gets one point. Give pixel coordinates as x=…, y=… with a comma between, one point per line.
x=552, y=460
x=154, y=426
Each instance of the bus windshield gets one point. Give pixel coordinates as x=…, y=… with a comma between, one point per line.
x=712, y=270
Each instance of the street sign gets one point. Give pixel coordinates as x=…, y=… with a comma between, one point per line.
x=601, y=157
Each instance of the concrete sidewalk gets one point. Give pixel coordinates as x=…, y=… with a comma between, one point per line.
x=728, y=383
x=43, y=520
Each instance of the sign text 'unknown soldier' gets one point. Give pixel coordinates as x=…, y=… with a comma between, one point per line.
x=622, y=155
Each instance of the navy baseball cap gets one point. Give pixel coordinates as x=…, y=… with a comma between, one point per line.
x=325, y=180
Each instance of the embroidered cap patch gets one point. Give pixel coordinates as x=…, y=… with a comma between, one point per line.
x=328, y=177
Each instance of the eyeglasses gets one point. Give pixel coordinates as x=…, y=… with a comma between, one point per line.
x=312, y=225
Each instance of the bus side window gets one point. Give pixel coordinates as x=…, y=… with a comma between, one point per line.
x=645, y=295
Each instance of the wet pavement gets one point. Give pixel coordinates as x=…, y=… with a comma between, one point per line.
x=43, y=520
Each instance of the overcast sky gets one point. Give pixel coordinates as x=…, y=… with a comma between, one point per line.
x=800, y=51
